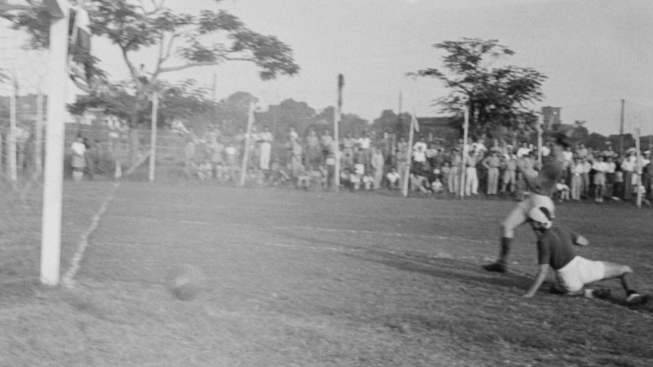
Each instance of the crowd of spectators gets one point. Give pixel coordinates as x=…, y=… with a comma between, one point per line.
x=368, y=163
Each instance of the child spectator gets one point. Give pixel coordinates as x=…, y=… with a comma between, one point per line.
x=563, y=190
x=368, y=181
x=355, y=179
x=303, y=178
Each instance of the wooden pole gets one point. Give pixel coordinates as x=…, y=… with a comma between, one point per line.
x=639, y=163
x=155, y=110
x=464, y=153
x=621, y=128
x=336, y=132
x=409, y=156
x=54, y=158
x=248, y=137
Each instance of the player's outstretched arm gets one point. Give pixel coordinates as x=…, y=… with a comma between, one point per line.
x=541, y=276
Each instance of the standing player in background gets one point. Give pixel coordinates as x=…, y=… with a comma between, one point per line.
x=541, y=186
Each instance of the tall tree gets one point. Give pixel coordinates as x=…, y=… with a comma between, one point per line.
x=495, y=96
x=183, y=41
x=234, y=111
x=390, y=122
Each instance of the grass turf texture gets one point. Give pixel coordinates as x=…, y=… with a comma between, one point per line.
x=309, y=279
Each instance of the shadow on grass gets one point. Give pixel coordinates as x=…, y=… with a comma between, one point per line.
x=445, y=268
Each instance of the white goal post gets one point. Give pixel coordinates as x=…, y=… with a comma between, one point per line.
x=54, y=154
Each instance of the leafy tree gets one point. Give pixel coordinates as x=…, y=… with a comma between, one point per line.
x=288, y=113
x=495, y=96
x=353, y=122
x=390, y=122
x=184, y=41
x=233, y=111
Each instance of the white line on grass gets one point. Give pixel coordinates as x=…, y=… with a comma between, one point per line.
x=83, y=243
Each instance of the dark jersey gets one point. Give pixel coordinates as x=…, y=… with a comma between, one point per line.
x=556, y=247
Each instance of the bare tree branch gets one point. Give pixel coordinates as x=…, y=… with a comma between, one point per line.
x=198, y=64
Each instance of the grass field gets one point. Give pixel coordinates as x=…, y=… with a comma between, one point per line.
x=300, y=278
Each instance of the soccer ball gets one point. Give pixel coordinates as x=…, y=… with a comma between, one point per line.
x=185, y=282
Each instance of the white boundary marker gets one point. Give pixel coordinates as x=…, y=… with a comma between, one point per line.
x=67, y=279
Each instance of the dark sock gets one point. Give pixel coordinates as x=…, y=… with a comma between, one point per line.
x=505, y=250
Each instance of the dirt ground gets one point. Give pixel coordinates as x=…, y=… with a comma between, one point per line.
x=298, y=278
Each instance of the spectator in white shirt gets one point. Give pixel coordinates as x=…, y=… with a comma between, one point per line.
x=599, y=168
x=523, y=150
x=419, y=154
x=364, y=144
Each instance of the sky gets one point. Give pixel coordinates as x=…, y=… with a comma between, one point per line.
x=594, y=52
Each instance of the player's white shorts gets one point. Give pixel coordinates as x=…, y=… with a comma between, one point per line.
x=579, y=272
x=519, y=214
x=537, y=201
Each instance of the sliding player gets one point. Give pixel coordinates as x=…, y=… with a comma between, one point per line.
x=555, y=250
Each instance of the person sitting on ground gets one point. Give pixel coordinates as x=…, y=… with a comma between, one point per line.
x=555, y=249
x=393, y=178
x=436, y=186
x=420, y=183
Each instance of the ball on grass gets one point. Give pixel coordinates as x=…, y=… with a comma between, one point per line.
x=185, y=282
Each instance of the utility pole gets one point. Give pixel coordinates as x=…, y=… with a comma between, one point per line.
x=621, y=128
x=336, y=131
